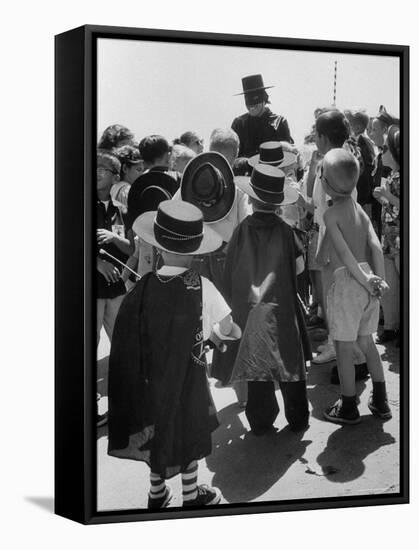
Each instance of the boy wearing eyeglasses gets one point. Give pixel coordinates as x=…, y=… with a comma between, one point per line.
x=349, y=244
x=110, y=235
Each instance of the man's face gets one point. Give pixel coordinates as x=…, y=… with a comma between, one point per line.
x=106, y=175
x=256, y=109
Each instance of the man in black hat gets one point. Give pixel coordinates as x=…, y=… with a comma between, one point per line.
x=259, y=124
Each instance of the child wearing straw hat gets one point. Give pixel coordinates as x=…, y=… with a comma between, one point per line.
x=263, y=258
x=160, y=408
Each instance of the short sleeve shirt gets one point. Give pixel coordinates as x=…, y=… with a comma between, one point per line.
x=214, y=307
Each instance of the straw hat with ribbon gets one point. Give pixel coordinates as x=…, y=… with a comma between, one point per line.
x=267, y=184
x=177, y=227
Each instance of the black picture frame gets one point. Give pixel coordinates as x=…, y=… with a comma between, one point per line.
x=75, y=144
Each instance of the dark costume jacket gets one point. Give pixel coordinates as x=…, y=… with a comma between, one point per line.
x=253, y=131
x=160, y=408
x=260, y=287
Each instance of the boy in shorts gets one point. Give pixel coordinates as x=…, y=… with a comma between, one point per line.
x=350, y=243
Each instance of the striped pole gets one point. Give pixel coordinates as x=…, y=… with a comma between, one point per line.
x=334, y=83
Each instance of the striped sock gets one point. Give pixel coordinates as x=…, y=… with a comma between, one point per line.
x=157, y=486
x=189, y=482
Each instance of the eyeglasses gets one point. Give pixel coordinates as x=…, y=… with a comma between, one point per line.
x=101, y=170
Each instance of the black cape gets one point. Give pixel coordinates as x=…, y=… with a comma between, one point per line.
x=261, y=289
x=160, y=408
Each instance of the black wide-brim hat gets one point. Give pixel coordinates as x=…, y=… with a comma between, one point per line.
x=253, y=83
x=177, y=227
x=208, y=183
x=267, y=184
x=273, y=154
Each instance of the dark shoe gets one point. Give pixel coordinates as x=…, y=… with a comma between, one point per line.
x=386, y=336
x=299, y=427
x=161, y=502
x=382, y=411
x=101, y=419
x=206, y=496
x=335, y=414
x=263, y=431
x=361, y=373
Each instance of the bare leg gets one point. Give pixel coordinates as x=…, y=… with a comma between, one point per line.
x=317, y=285
x=346, y=368
x=375, y=367
x=314, y=292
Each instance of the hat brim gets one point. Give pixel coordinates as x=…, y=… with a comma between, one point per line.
x=143, y=227
x=289, y=158
x=235, y=333
x=223, y=207
x=290, y=193
x=255, y=90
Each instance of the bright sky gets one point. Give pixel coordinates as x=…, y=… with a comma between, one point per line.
x=167, y=88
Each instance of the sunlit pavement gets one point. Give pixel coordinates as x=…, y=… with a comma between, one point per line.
x=327, y=460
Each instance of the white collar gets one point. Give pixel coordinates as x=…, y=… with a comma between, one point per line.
x=171, y=270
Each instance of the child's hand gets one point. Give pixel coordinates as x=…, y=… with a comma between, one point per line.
x=380, y=194
x=382, y=287
x=108, y=270
x=104, y=236
x=376, y=286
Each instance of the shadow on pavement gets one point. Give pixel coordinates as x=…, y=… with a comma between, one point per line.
x=322, y=394
x=392, y=356
x=346, y=449
x=46, y=503
x=246, y=466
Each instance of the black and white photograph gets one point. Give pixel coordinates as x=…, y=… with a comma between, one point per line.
x=209, y=267
x=248, y=268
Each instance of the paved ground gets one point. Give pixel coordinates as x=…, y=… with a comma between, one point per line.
x=325, y=461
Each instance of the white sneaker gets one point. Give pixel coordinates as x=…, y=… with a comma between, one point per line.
x=327, y=355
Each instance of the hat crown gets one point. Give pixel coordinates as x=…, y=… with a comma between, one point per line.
x=178, y=226
x=268, y=183
x=208, y=183
x=252, y=82
x=271, y=152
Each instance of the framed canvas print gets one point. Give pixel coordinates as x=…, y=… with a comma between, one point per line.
x=231, y=274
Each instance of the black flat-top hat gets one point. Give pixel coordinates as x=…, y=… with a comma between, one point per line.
x=253, y=83
x=267, y=184
x=272, y=153
x=208, y=183
x=177, y=227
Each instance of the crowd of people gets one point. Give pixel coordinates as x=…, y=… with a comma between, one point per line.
x=243, y=250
